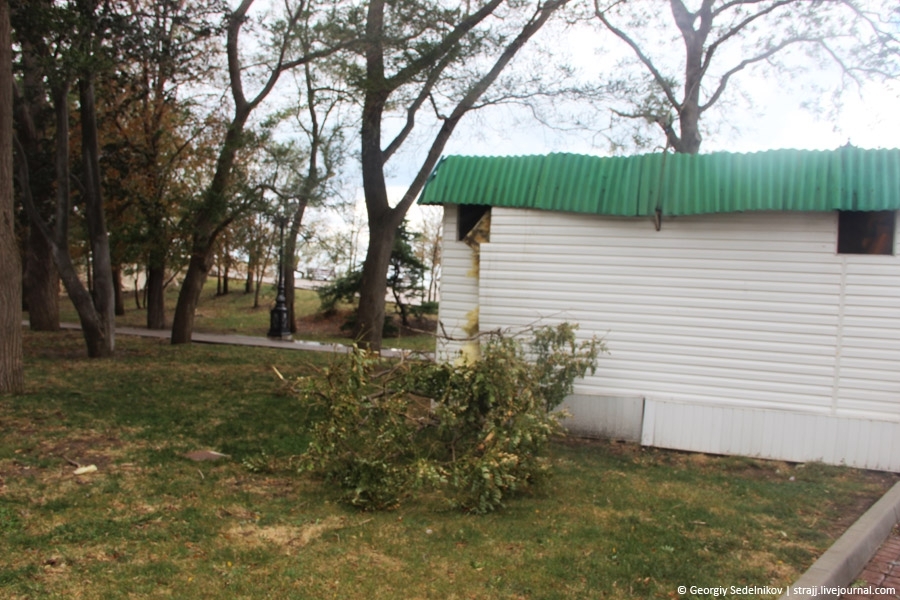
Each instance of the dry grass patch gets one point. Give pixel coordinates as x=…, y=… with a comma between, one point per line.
x=283, y=537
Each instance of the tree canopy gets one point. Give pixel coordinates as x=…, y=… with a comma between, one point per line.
x=686, y=55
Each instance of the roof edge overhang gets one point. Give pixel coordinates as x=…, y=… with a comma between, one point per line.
x=673, y=184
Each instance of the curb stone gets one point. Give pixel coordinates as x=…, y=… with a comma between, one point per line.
x=852, y=551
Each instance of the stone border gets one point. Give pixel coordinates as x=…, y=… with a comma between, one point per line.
x=852, y=551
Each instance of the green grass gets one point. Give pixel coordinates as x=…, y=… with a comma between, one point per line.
x=616, y=521
x=234, y=313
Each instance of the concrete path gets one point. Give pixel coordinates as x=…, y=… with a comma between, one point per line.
x=259, y=342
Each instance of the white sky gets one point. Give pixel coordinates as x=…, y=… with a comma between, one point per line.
x=870, y=117
x=775, y=119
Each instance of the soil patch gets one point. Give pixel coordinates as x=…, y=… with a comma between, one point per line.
x=323, y=324
x=329, y=324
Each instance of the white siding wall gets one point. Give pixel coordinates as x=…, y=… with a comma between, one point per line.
x=747, y=311
x=459, y=287
x=869, y=365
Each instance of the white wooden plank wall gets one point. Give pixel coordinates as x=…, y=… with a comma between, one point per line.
x=748, y=311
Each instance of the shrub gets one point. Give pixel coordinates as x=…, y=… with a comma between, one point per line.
x=343, y=289
x=559, y=361
x=425, y=308
x=473, y=431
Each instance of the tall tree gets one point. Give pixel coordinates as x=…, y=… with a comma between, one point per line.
x=256, y=239
x=103, y=292
x=216, y=209
x=312, y=160
x=723, y=38
x=74, y=39
x=420, y=54
x=34, y=125
x=152, y=134
x=11, y=369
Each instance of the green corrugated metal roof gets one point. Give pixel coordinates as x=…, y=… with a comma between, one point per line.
x=678, y=184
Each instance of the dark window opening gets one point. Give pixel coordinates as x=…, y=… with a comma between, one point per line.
x=468, y=216
x=870, y=232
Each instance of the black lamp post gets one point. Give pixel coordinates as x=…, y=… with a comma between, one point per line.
x=278, y=317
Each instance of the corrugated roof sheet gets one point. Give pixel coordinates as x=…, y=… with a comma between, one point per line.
x=678, y=184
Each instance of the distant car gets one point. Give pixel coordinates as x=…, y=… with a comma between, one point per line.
x=321, y=274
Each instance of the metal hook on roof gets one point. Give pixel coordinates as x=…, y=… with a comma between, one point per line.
x=657, y=217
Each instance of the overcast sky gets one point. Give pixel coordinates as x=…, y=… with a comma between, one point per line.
x=868, y=120
x=773, y=117
x=768, y=114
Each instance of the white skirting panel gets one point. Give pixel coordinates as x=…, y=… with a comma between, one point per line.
x=609, y=417
x=782, y=435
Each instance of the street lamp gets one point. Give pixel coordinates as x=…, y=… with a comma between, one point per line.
x=279, y=328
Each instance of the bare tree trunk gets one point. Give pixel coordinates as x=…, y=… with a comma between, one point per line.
x=189, y=297
x=382, y=230
x=290, y=264
x=433, y=284
x=289, y=283
x=256, y=291
x=104, y=295
x=88, y=269
x=205, y=233
x=401, y=306
x=156, y=301
x=373, y=287
x=689, y=140
x=155, y=286
x=97, y=327
x=41, y=285
x=32, y=123
x=226, y=270
x=213, y=214
x=261, y=267
x=117, y=291
x=384, y=220
x=12, y=378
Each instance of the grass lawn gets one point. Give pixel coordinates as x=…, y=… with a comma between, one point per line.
x=616, y=521
x=234, y=313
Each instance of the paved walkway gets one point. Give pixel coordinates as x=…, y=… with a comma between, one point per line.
x=248, y=340
x=883, y=571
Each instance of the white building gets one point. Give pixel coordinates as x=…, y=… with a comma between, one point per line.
x=750, y=303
